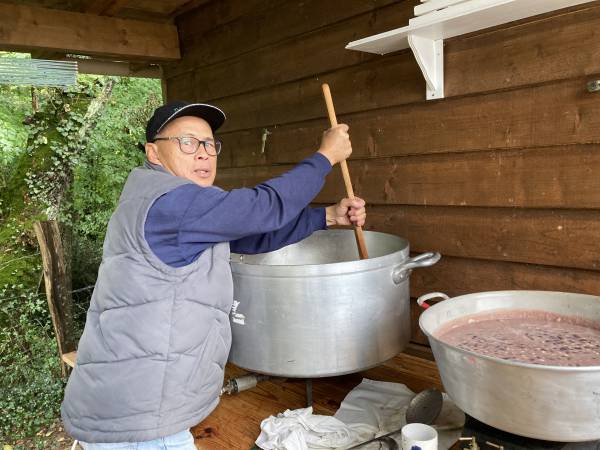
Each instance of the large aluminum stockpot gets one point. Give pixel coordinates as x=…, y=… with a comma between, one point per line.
x=313, y=309
x=544, y=402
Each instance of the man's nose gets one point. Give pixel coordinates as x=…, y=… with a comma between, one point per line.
x=201, y=153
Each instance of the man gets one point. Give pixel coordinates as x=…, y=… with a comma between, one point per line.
x=157, y=336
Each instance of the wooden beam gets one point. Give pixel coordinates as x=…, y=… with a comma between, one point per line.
x=29, y=28
x=98, y=7
x=116, y=68
x=44, y=54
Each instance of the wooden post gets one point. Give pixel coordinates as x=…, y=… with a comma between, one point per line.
x=58, y=285
x=34, y=101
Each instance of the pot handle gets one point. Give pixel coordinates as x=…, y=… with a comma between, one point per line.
x=402, y=270
x=422, y=298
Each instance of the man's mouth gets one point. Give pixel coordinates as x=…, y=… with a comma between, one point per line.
x=202, y=173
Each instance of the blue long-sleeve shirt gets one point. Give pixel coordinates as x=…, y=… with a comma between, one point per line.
x=189, y=219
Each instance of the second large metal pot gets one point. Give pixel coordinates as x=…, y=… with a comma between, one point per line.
x=313, y=309
x=553, y=403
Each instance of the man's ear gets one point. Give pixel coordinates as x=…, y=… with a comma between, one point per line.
x=152, y=153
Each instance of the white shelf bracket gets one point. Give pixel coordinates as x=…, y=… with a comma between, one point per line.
x=429, y=54
x=437, y=20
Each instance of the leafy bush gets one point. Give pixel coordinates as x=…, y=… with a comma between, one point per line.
x=99, y=177
x=111, y=154
x=13, y=135
x=31, y=387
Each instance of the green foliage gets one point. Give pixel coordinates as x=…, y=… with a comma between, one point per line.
x=31, y=387
x=48, y=167
x=15, y=105
x=111, y=154
x=30, y=383
x=100, y=175
x=58, y=135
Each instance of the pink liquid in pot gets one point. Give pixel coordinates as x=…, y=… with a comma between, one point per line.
x=535, y=337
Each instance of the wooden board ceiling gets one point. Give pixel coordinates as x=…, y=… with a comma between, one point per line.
x=145, y=10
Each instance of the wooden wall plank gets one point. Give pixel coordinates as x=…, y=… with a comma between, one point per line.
x=563, y=239
x=554, y=114
x=555, y=47
x=318, y=51
x=458, y=276
x=183, y=89
x=531, y=52
x=555, y=177
x=211, y=16
x=27, y=27
x=272, y=23
x=158, y=7
x=499, y=176
x=416, y=335
x=386, y=81
x=187, y=7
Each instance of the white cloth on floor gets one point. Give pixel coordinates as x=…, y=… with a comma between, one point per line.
x=374, y=408
x=300, y=429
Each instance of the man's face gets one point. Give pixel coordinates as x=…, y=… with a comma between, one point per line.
x=200, y=167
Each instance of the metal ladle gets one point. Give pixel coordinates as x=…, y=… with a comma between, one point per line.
x=424, y=407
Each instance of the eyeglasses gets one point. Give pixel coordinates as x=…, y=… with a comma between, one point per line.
x=190, y=145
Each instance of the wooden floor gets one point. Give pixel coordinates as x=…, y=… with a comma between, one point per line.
x=235, y=424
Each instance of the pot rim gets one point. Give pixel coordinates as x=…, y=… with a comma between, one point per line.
x=336, y=268
x=540, y=367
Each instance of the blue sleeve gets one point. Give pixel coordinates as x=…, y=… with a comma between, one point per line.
x=306, y=223
x=184, y=222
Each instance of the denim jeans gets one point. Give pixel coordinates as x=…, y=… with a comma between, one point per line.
x=179, y=441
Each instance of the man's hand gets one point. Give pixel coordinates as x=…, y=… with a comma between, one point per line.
x=346, y=212
x=335, y=144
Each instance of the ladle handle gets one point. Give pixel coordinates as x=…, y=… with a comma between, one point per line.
x=358, y=231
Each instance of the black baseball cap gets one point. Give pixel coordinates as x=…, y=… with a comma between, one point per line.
x=173, y=110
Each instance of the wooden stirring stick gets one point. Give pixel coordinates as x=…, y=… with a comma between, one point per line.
x=358, y=231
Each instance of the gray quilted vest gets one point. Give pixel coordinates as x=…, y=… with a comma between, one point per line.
x=150, y=360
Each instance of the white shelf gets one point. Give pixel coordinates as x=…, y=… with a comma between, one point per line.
x=434, y=5
x=425, y=33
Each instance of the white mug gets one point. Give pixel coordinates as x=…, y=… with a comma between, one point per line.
x=418, y=436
